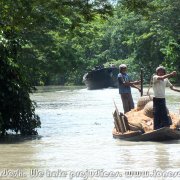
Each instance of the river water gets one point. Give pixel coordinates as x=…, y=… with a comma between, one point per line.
x=75, y=141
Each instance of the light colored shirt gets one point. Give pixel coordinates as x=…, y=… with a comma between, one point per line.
x=159, y=86
x=123, y=78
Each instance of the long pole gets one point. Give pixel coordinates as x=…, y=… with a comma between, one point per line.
x=141, y=81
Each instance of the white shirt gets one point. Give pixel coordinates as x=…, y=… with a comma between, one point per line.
x=159, y=86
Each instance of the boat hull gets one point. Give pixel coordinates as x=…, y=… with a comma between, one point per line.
x=101, y=78
x=163, y=134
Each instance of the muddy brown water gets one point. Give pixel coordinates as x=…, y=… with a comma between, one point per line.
x=75, y=141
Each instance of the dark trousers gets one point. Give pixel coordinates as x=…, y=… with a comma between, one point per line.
x=161, y=117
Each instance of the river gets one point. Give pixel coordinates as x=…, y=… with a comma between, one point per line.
x=75, y=141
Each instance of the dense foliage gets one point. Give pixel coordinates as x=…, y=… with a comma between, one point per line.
x=35, y=45
x=152, y=35
x=144, y=34
x=17, y=111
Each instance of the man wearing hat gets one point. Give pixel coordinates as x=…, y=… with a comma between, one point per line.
x=160, y=82
x=125, y=85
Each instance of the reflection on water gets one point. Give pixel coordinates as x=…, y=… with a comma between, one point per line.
x=76, y=135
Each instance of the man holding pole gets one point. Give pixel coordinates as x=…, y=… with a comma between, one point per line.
x=125, y=85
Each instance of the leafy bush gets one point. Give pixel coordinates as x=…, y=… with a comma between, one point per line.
x=17, y=111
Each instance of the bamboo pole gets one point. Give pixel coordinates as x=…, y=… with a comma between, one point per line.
x=125, y=122
x=119, y=120
x=141, y=81
x=121, y=124
x=116, y=122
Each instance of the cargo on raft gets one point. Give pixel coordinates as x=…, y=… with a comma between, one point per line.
x=137, y=125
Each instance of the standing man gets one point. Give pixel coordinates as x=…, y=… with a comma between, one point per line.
x=125, y=85
x=160, y=81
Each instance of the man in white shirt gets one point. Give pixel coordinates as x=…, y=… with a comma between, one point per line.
x=160, y=82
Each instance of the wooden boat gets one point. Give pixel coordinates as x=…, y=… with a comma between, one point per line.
x=163, y=134
x=126, y=131
x=101, y=77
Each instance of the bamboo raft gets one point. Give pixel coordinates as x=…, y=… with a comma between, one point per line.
x=126, y=130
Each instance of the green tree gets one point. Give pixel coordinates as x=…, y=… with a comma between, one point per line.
x=158, y=42
x=17, y=111
x=34, y=44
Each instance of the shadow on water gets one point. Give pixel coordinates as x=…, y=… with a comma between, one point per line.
x=14, y=139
